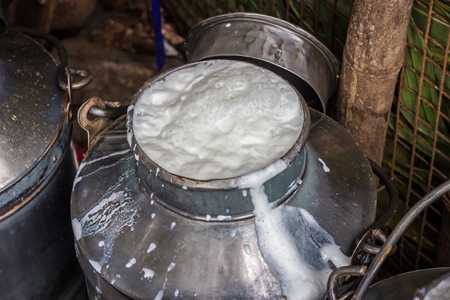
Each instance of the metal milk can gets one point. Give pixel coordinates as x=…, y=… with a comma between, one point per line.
x=144, y=233
x=37, y=166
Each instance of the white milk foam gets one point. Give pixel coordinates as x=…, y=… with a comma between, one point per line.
x=217, y=119
x=293, y=244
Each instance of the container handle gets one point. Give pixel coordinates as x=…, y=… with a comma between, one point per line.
x=96, y=114
x=369, y=244
x=64, y=76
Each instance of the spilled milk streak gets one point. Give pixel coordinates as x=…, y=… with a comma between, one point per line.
x=171, y=266
x=131, y=263
x=151, y=247
x=223, y=217
x=148, y=273
x=159, y=295
x=161, y=292
x=97, y=267
x=247, y=249
x=78, y=178
x=324, y=166
x=293, y=244
x=108, y=217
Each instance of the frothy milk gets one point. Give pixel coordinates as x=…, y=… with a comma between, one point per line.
x=217, y=119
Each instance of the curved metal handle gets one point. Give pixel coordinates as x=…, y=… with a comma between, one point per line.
x=393, y=196
x=93, y=125
x=335, y=278
x=85, y=75
x=64, y=73
x=369, y=244
x=397, y=232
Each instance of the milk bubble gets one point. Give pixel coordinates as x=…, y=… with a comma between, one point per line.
x=217, y=119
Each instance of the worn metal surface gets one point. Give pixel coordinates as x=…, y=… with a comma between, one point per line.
x=37, y=167
x=271, y=41
x=37, y=255
x=117, y=218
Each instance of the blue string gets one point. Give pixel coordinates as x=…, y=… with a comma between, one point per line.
x=159, y=39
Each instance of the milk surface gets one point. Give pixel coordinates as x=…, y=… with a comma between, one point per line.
x=217, y=119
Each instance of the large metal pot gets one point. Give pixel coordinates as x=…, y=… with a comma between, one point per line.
x=144, y=233
x=37, y=260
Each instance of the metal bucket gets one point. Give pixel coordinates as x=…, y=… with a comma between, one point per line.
x=37, y=256
x=143, y=232
x=274, y=44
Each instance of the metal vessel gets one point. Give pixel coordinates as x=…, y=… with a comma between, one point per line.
x=274, y=44
x=144, y=233
x=37, y=260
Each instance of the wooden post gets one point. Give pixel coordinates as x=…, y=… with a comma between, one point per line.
x=373, y=56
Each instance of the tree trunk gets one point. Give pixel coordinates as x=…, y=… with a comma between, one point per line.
x=373, y=56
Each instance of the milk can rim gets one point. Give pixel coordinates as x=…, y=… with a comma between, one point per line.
x=226, y=183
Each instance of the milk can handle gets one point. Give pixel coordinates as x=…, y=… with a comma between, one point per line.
x=62, y=56
x=386, y=249
x=398, y=231
x=393, y=196
x=65, y=73
x=96, y=114
x=368, y=244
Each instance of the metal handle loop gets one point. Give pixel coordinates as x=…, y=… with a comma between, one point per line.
x=84, y=74
x=94, y=125
x=337, y=274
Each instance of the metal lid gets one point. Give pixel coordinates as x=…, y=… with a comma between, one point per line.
x=31, y=107
x=280, y=46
